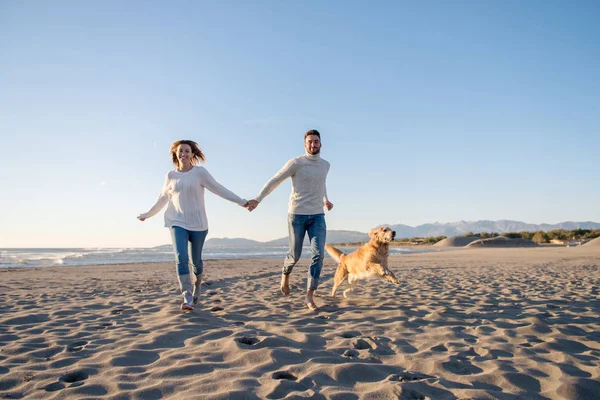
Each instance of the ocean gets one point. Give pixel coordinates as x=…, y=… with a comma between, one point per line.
x=47, y=257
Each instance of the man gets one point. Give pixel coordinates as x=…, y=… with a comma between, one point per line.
x=305, y=211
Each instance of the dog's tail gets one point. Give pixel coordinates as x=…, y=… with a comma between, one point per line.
x=336, y=254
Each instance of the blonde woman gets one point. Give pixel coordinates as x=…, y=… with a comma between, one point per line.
x=183, y=194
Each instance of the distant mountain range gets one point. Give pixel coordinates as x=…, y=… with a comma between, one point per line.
x=426, y=230
x=333, y=236
x=501, y=226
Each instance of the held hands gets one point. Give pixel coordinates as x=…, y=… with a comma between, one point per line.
x=251, y=205
x=141, y=218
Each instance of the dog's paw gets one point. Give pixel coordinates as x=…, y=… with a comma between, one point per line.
x=396, y=282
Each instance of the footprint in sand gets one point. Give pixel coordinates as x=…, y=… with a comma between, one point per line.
x=75, y=376
x=351, y=353
x=410, y=377
x=284, y=375
x=77, y=346
x=533, y=339
x=350, y=334
x=440, y=347
x=53, y=387
x=117, y=311
x=247, y=340
x=217, y=308
x=362, y=345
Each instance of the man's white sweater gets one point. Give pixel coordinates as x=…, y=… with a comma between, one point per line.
x=309, y=189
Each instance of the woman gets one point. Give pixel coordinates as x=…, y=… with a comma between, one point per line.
x=185, y=217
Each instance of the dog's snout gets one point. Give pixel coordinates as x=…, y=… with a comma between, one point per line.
x=393, y=234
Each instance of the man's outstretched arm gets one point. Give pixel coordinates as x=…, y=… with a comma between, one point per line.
x=288, y=170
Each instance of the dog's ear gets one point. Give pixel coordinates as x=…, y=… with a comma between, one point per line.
x=372, y=233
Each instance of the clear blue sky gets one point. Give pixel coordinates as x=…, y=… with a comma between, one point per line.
x=429, y=111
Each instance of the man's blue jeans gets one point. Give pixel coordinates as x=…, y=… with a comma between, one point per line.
x=187, y=242
x=298, y=226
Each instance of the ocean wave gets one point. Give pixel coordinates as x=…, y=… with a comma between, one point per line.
x=102, y=256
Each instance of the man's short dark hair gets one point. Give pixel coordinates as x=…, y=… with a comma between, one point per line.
x=312, y=132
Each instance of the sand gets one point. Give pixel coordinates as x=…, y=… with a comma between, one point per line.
x=465, y=324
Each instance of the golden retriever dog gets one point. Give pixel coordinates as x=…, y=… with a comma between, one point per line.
x=370, y=260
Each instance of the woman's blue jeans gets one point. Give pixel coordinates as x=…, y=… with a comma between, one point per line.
x=299, y=226
x=186, y=243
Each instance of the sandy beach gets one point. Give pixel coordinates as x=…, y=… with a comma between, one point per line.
x=464, y=324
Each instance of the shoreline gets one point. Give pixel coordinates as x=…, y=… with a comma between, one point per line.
x=471, y=323
x=41, y=258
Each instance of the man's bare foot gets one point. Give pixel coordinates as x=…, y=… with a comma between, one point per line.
x=311, y=305
x=285, y=284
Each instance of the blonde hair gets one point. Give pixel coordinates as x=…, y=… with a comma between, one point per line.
x=197, y=154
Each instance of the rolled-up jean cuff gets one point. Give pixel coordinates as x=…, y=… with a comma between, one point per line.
x=312, y=284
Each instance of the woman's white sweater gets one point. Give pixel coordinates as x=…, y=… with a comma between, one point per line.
x=184, y=194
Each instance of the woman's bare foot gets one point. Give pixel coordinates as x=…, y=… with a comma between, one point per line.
x=186, y=307
x=285, y=284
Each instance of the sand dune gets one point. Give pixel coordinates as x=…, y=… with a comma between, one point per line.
x=593, y=243
x=485, y=324
x=501, y=241
x=456, y=241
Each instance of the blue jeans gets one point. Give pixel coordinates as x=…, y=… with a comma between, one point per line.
x=298, y=226
x=185, y=243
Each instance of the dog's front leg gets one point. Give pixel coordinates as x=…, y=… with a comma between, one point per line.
x=384, y=273
x=352, y=280
x=391, y=277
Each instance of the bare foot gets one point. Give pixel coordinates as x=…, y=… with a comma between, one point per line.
x=309, y=300
x=311, y=305
x=285, y=284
